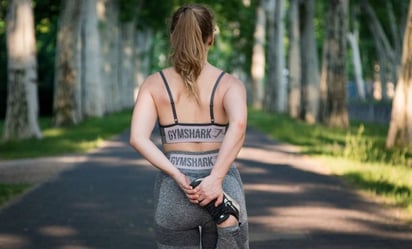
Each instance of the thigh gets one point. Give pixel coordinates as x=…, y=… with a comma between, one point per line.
x=233, y=186
x=175, y=239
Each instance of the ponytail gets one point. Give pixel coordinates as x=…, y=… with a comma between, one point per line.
x=192, y=26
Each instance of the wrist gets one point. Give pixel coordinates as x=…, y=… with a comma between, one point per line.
x=176, y=174
x=217, y=176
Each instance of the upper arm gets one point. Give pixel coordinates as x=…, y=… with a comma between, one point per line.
x=144, y=113
x=234, y=102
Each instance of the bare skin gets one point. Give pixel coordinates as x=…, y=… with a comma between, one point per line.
x=230, y=106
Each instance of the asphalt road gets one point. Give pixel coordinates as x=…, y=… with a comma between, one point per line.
x=104, y=201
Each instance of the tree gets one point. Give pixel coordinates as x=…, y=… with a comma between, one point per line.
x=294, y=97
x=276, y=88
x=310, y=65
x=258, y=57
x=67, y=91
x=388, y=55
x=22, y=100
x=334, y=107
x=353, y=38
x=400, y=127
x=92, y=87
x=109, y=32
x=127, y=63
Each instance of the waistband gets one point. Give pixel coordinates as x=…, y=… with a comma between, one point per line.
x=192, y=160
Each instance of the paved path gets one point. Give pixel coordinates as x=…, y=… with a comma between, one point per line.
x=104, y=201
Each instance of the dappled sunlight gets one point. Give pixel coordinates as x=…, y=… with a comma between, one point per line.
x=260, y=155
x=278, y=157
x=74, y=247
x=319, y=218
x=120, y=161
x=113, y=144
x=273, y=188
x=13, y=241
x=251, y=170
x=57, y=231
x=55, y=132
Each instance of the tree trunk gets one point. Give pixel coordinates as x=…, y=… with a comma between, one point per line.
x=143, y=45
x=127, y=65
x=276, y=88
x=336, y=113
x=389, y=60
x=400, y=128
x=258, y=57
x=294, y=61
x=22, y=98
x=357, y=63
x=67, y=102
x=108, y=14
x=92, y=87
x=310, y=64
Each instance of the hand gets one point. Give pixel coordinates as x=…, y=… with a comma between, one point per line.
x=184, y=183
x=208, y=190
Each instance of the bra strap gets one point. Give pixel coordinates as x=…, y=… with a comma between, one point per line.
x=212, y=115
x=172, y=102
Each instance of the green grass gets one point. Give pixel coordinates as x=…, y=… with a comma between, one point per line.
x=8, y=191
x=79, y=138
x=358, y=155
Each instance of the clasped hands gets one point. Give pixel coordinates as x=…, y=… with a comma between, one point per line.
x=208, y=190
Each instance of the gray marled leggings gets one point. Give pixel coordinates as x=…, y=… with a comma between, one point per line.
x=180, y=224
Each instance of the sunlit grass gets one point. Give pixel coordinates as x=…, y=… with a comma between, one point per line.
x=357, y=155
x=392, y=183
x=74, y=139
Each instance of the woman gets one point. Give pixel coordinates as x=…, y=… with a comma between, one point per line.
x=201, y=112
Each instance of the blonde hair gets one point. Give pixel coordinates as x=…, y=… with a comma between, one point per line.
x=191, y=27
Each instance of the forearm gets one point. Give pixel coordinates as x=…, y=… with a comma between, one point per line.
x=154, y=155
x=229, y=150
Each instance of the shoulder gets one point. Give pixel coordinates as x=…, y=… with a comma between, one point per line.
x=152, y=82
x=231, y=82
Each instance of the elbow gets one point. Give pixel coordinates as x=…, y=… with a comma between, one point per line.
x=240, y=127
x=242, y=124
x=134, y=143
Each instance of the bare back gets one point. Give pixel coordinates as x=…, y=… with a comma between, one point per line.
x=187, y=109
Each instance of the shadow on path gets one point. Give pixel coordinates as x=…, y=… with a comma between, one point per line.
x=106, y=202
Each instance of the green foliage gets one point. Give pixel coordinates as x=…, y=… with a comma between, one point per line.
x=128, y=9
x=7, y=191
x=75, y=139
x=154, y=14
x=233, y=40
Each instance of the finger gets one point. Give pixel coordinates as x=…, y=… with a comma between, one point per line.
x=194, y=201
x=219, y=200
x=204, y=202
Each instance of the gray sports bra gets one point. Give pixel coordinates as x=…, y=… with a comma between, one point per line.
x=192, y=132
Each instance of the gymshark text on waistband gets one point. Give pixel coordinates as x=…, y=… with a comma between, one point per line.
x=193, y=161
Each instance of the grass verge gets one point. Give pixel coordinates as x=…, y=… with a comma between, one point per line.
x=357, y=155
x=79, y=138
x=8, y=191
